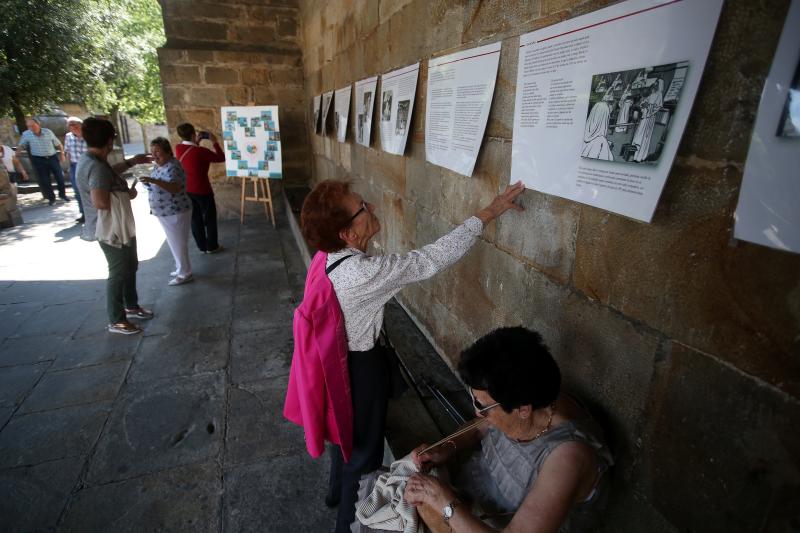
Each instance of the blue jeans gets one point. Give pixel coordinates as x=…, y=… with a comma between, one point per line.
x=44, y=167
x=73, y=178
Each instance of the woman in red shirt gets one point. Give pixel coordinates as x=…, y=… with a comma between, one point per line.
x=196, y=160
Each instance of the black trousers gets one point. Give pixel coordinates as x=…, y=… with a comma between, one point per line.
x=369, y=388
x=204, y=221
x=45, y=166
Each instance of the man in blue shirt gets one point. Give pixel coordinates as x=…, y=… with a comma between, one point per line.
x=42, y=145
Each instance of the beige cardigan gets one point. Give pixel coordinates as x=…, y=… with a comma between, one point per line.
x=116, y=226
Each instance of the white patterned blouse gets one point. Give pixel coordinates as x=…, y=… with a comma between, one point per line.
x=364, y=283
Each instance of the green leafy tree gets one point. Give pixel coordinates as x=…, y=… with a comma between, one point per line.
x=100, y=52
x=133, y=30
x=46, y=54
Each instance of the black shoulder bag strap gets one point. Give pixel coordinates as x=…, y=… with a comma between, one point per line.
x=335, y=264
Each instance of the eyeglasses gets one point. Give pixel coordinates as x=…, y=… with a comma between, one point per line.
x=361, y=210
x=479, y=407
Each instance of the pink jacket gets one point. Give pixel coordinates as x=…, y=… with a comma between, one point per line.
x=318, y=397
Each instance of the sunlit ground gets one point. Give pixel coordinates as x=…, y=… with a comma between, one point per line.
x=48, y=245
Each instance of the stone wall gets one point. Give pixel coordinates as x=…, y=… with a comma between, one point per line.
x=684, y=341
x=236, y=53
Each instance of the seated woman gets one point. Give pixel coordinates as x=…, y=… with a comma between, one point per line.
x=542, y=459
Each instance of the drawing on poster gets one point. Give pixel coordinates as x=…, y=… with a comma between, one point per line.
x=231, y=116
x=336, y=120
x=402, y=117
x=363, y=117
x=326, y=105
x=789, y=125
x=316, y=113
x=274, y=136
x=231, y=145
x=630, y=112
x=386, y=106
x=236, y=155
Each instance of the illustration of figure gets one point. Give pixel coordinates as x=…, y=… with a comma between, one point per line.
x=650, y=106
x=367, y=103
x=386, y=107
x=625, y=103
x=594, y=134
x=402, y=117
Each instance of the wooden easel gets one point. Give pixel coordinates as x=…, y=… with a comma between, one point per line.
x=261, y=194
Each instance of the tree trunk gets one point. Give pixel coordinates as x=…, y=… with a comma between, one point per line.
x=115, y=121
x=144, y=136
x=19, y=116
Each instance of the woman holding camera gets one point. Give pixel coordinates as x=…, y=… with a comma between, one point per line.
x=170, y=203
x=196, y=160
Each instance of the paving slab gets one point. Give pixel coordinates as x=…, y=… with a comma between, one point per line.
x=28, y=350
x=186, y=499
x=5, y=415
x=281, y=495
x=254, y=312
x=55, y=319
x=34, y=496
x=262, y=354
x=76, y=386
x=52, y=292
x=39, y=437
x=209, y=266
x=181, y=353
x=94, y=323
x=192, y=306
x=16, y=381
x=256, y=426
x=95, y=350
x=161, y=424
x=14, y=315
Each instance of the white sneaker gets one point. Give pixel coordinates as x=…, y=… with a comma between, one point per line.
x=180, y=280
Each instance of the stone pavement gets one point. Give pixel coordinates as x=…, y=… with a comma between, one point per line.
x=178, y=429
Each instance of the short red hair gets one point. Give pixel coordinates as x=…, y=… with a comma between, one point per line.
x=324, y=215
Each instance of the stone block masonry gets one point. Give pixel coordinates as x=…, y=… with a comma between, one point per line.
x=237, y=53
x=685, y=343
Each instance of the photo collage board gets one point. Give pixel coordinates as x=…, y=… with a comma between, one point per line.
x=252, y=141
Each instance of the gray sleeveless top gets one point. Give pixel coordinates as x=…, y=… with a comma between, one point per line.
x=502, y=473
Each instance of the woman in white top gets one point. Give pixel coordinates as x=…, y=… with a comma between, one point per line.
x=338, y=221
x=170, y=203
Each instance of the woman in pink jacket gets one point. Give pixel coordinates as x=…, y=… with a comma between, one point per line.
x=338, y=221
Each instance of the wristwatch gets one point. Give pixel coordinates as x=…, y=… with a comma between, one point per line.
x=449, y=509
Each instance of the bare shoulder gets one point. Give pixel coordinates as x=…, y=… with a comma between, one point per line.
x=574, y=453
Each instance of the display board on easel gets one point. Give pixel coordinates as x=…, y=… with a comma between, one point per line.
x=252, y=139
